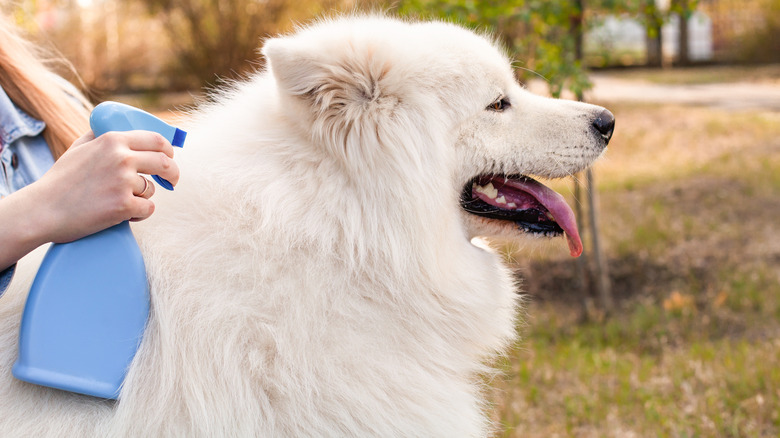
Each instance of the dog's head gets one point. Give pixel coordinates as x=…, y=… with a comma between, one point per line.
x=439, y=105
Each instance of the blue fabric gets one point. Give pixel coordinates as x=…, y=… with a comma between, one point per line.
x=22, y=145
x=24, y=156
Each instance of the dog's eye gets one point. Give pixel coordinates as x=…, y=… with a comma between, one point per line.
x=499, y=105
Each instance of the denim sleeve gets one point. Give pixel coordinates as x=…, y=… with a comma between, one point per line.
x=5, y=278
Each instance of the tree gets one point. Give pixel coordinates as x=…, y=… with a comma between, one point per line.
x=219, y=38
x=540, y=30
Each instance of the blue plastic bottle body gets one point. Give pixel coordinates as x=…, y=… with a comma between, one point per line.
x=87, y=308
x=85, y=314
x=114, y=116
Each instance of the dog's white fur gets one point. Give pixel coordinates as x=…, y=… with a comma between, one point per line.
x=313, y=274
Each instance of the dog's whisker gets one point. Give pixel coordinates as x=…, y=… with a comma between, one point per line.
x=534, y=73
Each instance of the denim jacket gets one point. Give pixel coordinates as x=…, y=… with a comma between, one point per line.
x=24, y=156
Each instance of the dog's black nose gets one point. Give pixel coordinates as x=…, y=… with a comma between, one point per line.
x=605, y=124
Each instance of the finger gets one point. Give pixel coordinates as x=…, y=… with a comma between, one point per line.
x=157, y=163
x=140, y=209
x=150, y=141
x=143, y=188
x=89, y=136
x=140, y=141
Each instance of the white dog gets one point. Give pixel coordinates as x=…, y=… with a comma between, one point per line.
x=313, y=273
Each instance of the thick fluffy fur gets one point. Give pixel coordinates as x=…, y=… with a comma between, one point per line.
x=313, y=273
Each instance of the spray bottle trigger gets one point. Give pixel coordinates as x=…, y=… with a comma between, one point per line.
x=176, y=141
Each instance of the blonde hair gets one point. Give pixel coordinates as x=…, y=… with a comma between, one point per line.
x=31, y=85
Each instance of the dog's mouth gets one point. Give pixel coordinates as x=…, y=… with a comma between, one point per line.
x=531, y=205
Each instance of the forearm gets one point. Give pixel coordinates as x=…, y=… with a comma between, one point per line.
x=22, y=229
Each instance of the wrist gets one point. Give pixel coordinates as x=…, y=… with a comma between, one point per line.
x=32, y=217
x=23, y=227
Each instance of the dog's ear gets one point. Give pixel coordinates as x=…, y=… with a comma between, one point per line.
x=348, y=88
x=296, y=71
x=354, y=75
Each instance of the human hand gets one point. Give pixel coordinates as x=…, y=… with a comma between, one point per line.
x=96, y=184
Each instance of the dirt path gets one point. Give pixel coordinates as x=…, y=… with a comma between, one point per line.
x=735, y=95
x=728, y=95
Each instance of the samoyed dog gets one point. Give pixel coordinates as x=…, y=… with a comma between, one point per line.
x=313, y=274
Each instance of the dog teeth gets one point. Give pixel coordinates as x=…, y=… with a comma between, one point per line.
x=511, y=205
x=501, y=200
x=488, y=190
x=549, y=216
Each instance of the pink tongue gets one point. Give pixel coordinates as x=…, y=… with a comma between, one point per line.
x=553, y=202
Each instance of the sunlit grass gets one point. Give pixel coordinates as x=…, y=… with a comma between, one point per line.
x=654, y=142
x=714, y=388
x=685, y=364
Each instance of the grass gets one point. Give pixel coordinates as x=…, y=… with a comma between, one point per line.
x=621, y=390
x=689, y=200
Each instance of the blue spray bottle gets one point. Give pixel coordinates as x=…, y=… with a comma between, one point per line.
x=88, y=305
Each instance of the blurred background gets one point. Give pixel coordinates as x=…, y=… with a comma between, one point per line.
x=669, y=325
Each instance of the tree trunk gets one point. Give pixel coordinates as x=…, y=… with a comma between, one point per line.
x=582, y=279
x=683, y=55
x=654, y=48
x=653, y=37
x=582, y=264
x=576, y=22
x=603, y=284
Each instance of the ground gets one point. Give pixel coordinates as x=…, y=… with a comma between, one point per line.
x=689, y=200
